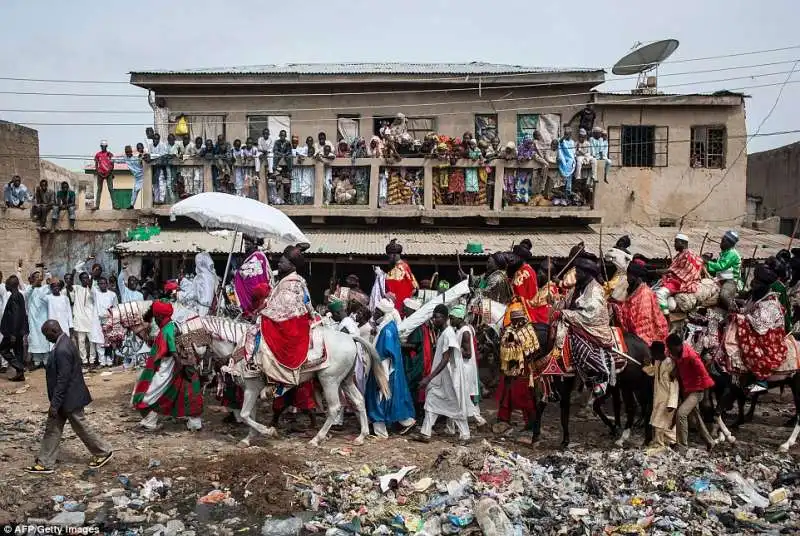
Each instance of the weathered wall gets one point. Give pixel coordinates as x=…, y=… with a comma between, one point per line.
x=62, y=251
x=774, y=176
x=454, y=112
x=20, y=241
x=19, y=154
x=648, y=195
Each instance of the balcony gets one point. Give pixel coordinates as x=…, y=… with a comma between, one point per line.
x=368, y=188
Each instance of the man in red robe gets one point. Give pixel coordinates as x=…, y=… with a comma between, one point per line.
x=400, y=281
x=639, y=313
x=524, y=283
x=286, y=317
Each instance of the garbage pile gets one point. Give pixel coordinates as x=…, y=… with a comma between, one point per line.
x=486, y=490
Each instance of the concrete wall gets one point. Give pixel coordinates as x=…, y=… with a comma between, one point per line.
x=20, y=241
x=648, y=196
x=313, y=114
x=62, y=251
x=19, y=154
x=774, y=176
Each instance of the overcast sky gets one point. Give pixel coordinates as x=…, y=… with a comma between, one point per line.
x=82, y=40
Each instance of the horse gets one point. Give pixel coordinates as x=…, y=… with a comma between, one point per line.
x=632, y=383
x=223, y=337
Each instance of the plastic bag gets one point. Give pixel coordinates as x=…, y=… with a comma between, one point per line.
x=182, y=127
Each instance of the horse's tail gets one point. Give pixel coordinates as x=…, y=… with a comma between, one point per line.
x=377, y=367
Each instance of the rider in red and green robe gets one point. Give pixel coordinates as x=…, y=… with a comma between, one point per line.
x=166, y=386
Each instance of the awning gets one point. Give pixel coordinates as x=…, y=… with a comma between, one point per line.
x=652, y=242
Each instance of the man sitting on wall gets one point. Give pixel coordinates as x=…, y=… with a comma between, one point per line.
x=65, y=200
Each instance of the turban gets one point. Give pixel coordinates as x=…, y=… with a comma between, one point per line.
x=441, y=309
x=637, y=268
x=393, y=248
x=623, y=243
x=526, y=242
x=765, y=275
x=587, y=265
x=385, y=306
x=336, y=305
x=682, y=237
x=295, y=255
x=582, y=131
x=597, y=129
x=170, y=286
x=500, y=259
x=522, y=252
x=733, y=236
x=162, y=309
x=458, y=311
x=259, y=293
x=444, y=286
x=510, y=146
x=517, y=311
x=412, y=304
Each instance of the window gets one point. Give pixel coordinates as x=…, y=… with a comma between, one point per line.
x=639, y=145
x=207, y=127
x=708, y=147
x=347, y=127
x=275, y=123
x=526, y=124
x=486, y=127
x=787, y=226
x=418, y=127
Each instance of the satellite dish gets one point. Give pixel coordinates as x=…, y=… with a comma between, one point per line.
x=643, y=60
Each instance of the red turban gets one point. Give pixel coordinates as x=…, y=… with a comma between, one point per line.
x=162, y=310
x=170, y=286
x=259, y=294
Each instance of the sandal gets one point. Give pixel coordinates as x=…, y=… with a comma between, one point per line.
x=39, y=469
x=100, y=461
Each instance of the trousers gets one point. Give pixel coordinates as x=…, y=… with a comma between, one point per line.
x=82, y=341
x=13, y=352
x=54, y=429
x=430, y=421
x=689, y=408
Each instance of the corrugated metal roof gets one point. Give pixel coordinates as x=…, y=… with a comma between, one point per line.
x=648, y=241
x=472, y=68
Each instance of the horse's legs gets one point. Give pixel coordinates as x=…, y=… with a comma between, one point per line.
x=796, y=431
x=646, y=404
x=597, y=408
x=617, y=403
x=330, y=387
x=752, y=410
x=567, y=385
x=724, y=404
x=357, y=400
x=630, y=415
x=252, y=387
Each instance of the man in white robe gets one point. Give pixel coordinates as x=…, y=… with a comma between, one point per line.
x=36, y=302
x=198, y=294
x=58, y=307
x=465, y=336
x=103, y=300
x=447, y=393
x=82, y=311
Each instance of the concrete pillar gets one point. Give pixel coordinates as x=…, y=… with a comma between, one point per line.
x=208, y=178
x=374, y=183
x=262, y=184
x=319, y=181
x=499, y=179
x=427, y=186
x=147, y=186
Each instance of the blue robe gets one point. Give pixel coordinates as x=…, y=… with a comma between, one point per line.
x=36, y=301
x=399, y=406
x=566, y=157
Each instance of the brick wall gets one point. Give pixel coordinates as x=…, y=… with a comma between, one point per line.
x=19, y=154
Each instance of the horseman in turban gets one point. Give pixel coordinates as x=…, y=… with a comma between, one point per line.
x=286, y=316
x=760, y=331
x=166, y=386
x=640, y=313
x=400, y=281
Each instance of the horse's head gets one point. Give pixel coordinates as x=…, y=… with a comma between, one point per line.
x=127, y=316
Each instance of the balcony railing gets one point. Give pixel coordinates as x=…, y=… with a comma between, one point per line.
x=373, y=187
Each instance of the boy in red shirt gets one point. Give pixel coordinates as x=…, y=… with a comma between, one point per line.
x=694, y=380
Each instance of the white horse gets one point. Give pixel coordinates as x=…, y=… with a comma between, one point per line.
x=224, y=336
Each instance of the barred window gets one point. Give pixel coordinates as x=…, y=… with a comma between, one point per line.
x=708, y=147
x=486, y=127
x=639, y=145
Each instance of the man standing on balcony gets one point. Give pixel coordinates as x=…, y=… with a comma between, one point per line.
x=160, y=114
x=583, y=151
x=103, y=170
x=265, y=147
x=566, y=159
x=599, y=144
x=400, y=281
x=135, y=166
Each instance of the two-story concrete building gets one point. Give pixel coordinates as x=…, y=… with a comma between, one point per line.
x=677, y=159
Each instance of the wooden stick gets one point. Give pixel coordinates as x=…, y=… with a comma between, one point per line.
x=569, y=262
x=750, y=265
x=669, y=249
x=794, y=232
x=703, y=244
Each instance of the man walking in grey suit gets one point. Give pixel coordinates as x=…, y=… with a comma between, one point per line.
x=68, y=396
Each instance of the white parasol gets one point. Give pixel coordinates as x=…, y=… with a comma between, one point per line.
x=238, y=214
x=225, y=211
x=410, y=323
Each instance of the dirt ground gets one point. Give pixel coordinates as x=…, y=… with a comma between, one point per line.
x=200, y=462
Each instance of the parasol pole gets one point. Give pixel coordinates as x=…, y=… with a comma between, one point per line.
x=227, y=268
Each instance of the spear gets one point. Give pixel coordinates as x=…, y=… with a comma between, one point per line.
x=703, y=244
